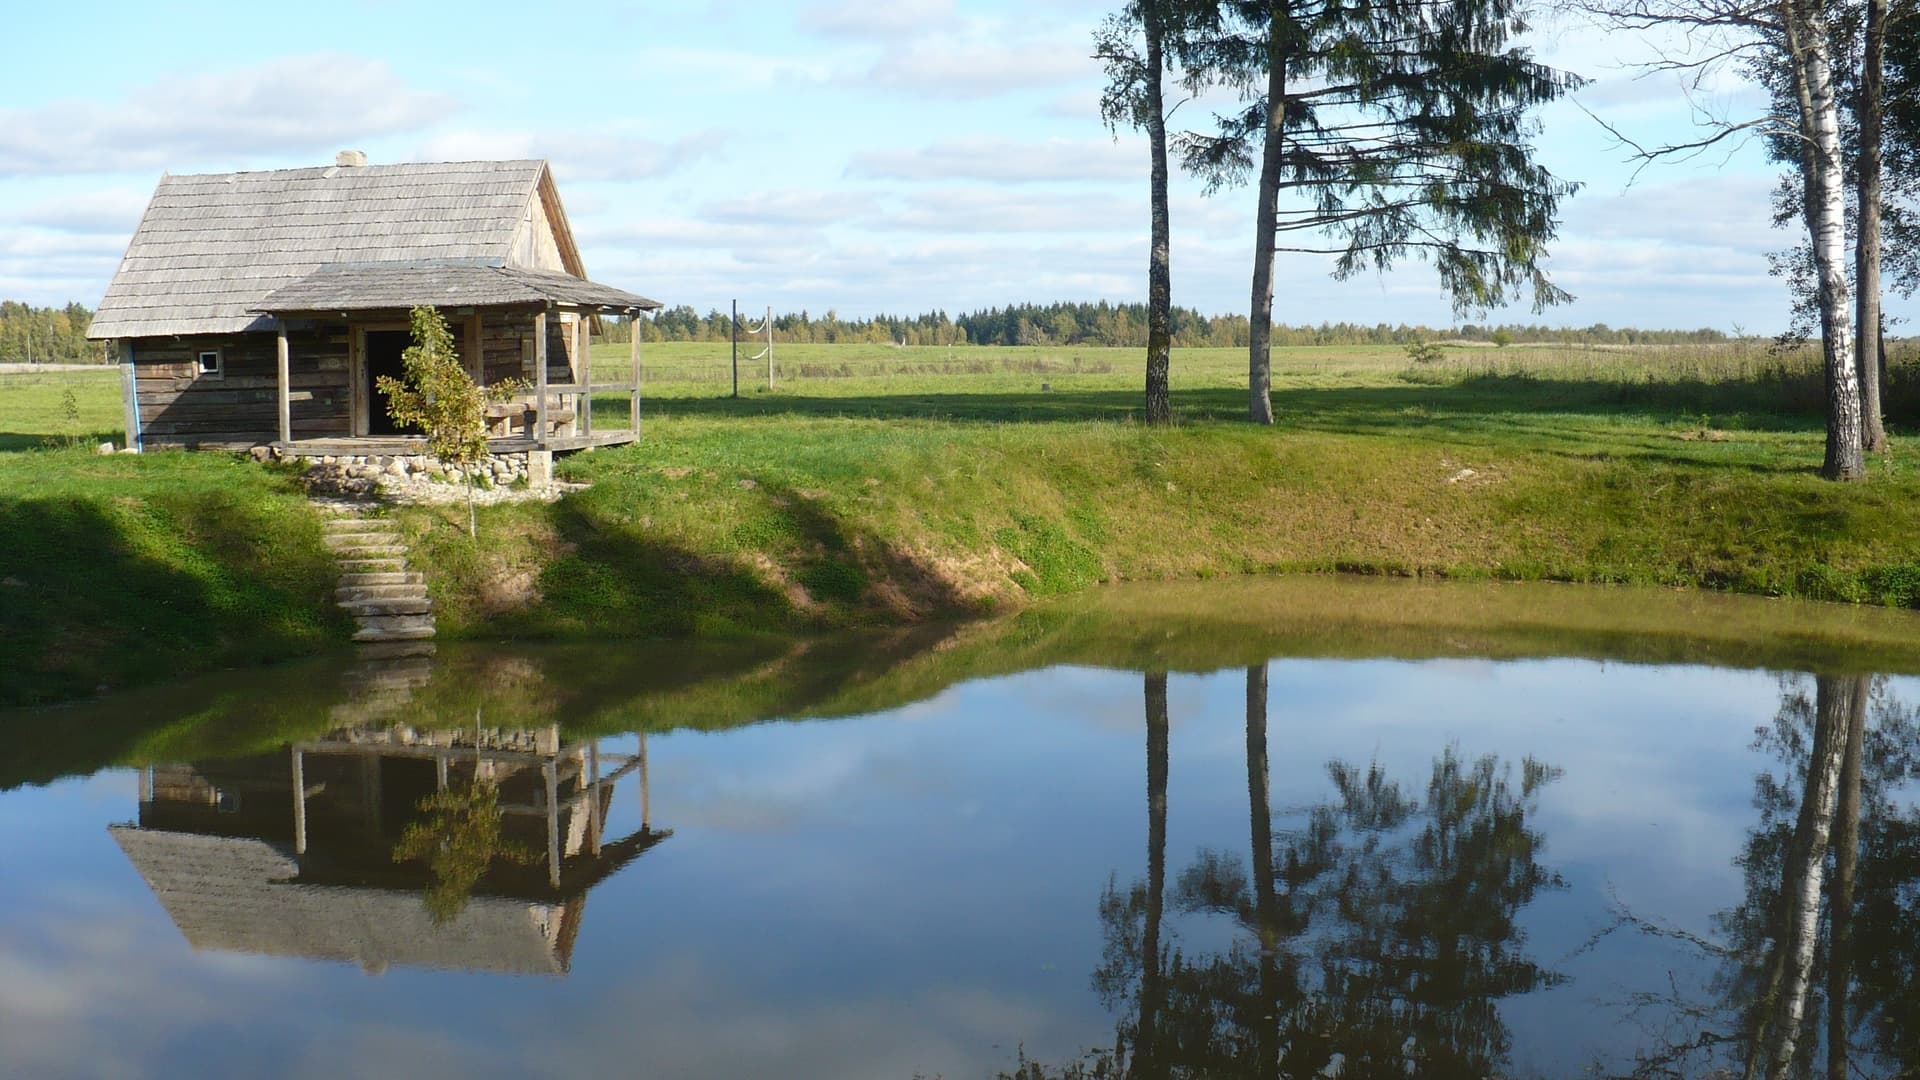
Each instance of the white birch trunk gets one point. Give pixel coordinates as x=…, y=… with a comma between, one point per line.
x=1826, y=224
x=1806, y=870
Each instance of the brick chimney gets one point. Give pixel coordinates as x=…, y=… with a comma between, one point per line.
x=350, y=159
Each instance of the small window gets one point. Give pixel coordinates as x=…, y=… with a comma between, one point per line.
x=210, y=366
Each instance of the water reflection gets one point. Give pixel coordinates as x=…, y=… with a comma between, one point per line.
x=1372, y=934
x=470, y=848
x=1342, y=868
x=1818, y=964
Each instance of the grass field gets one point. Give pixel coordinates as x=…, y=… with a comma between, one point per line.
x=873, y=484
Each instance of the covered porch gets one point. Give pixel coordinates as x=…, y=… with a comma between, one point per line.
x=508, y=322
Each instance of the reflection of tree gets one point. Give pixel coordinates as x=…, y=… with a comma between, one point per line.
x=458, y=840
x=1378, y=937
x=1833, y=849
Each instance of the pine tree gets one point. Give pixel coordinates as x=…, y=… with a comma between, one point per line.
x=1394, y=129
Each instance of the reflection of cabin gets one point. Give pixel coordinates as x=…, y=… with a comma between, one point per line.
x=291, y=854
x=261, y=307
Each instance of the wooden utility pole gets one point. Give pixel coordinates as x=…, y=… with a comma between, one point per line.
x=733, y=334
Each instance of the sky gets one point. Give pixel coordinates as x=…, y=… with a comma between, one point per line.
x=866, y=157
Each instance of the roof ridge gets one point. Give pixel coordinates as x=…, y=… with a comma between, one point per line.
x=381, y=166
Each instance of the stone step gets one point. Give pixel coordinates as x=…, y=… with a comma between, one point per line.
x=397, y=651
x=385, y=565
x=342, y=541
x=370, y=551
x=418, y=605
x=335, y=540
x=368, y=635
x=395, y=622
x=390, y=577
x=399, y=591
x=354, y=524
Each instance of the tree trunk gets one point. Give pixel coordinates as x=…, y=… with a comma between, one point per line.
x=1259, y=803
x=1160, y=261
x=1152, y=982
x=1266, y=219
x=1811, y=54
x=1866, y=274
x=1805, y=871
x=1846, y=856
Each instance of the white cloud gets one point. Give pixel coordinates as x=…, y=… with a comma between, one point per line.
x=862, y=19
x=112, y=211
x=717, y=71
x=1004, y=160
x=994, y=210
x=946, y=69
x=579, y=155
x=1728, y=212
x=301, y=105
x=788, y=208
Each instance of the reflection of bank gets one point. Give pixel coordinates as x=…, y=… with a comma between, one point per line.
x=291, y=854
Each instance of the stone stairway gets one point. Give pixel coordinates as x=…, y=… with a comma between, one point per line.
x=387, y=598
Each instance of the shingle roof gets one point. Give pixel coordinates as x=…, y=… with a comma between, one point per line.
x=235, y=894
x=388, y=285
x=211, y=247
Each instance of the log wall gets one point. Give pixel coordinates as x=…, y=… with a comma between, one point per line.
x=506, y=341
x=239, y=408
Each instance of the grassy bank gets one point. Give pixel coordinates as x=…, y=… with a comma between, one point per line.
x=875, y=485
x=609, y=688
x=908, y=483
x=118, y=571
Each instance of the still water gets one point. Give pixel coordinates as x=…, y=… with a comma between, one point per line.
x=897, y=859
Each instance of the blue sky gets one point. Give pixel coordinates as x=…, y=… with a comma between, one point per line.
x=864, y=157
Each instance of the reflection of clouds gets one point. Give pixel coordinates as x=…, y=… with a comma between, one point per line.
x=378, y=1050
x=77, y=979
x=826, y=924
x=697, y=1025
x=787, y=776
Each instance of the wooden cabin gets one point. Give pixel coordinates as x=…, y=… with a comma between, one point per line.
x=260, y=308
x=292, y=853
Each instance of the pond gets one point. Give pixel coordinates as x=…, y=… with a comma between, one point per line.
x=1278, y=831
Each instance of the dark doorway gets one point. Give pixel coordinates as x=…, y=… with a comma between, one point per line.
x=383, y=358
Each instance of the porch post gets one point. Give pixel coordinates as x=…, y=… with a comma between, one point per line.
x=633, y=392
x=583, y=349
x=130, y=393
x=299, y=804
x=286, y=399
x=552, y=771
x=540, y=379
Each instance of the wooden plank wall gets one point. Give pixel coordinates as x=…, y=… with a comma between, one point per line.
x=180, y=407
x=506, y=340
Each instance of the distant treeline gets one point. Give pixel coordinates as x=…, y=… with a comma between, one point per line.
x=59, y=335
x=46, y=335
x=1103, y=323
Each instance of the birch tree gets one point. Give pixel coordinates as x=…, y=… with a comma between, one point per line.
x=1794, y=37
x=437, y=396
x=1880, y=138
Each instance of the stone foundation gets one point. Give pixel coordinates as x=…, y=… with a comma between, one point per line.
x=364, y=474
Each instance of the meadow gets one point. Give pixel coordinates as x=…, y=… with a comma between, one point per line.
x=874, y=484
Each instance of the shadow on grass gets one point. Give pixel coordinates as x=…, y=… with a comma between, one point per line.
x=1778, y=403
x=617, y=579
x=88, y=598
x=15, y=442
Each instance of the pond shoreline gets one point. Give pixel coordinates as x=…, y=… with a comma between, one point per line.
x=126, y=571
